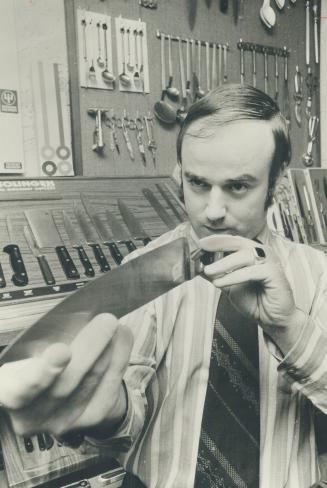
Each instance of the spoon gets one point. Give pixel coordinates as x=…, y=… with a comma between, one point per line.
x=100, y=60
x=280, y=4
x=200, y=92
x=162, y=110
x=124, y=77
x=267, y=14
x=106, y=75
x=171, y=90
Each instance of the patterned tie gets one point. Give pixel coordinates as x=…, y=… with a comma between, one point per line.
x=229, y=447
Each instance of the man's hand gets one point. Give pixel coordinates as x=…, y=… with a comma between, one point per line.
x=70, y=388
x=256, y=285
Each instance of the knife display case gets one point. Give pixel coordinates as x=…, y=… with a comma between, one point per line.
x=21, y=304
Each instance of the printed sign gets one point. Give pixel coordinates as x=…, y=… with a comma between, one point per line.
x=8, y=101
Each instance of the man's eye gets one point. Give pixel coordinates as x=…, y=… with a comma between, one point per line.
x=198, y=183
x=239, y=187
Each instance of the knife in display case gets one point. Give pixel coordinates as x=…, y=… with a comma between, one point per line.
x=119, y=232
x=132, y=223
x=19, y=278
x=41, y=258
x=47, y=236
x=77, y=244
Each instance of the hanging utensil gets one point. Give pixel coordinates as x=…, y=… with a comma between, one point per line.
x=171, y=90
x=200, y=92
x=106, y=75
x=220, y=64
x=207, y=65
x=298, y=97
x=276, y=76
x=307, y=32
x=315, y=28
x=162, y=110
x=307, y=158
x=92, y=72
x=100, y=60
x=223, y=6
x=188, y=70
x=236, y=8
x=214, y=66
x=182, y=110
x=280, y=4
x=241, y=48
x=254, y=67
x=136, y=75
x=267, y=14
x=225, y=62
x=265, y=54
x=195, y=80
x=286, y=95
x=124, y=77
x=130, y=64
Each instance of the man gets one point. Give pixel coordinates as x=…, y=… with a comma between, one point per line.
x=232, y=149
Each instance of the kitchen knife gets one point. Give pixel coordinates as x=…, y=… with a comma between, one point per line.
x=76, y=244
x=19, y=278
x=168, y=201
x=132, y=223
x=46, y=235
x=2, y=278
x=103, y=231
x=119, y=232
x=310, y=218
x=141, y=279
x=223, y=6
x=156, y=205
x=91, y=239
x=301, y=209
x=107, y=238
x=41, y=258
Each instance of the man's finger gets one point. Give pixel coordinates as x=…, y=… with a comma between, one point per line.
x=258, y=272
x=225, y=242
x=232, y=262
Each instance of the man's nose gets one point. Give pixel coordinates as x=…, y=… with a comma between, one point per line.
x=216, y=206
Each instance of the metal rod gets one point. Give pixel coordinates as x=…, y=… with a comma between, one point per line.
x=176, y=38
x=261, y=48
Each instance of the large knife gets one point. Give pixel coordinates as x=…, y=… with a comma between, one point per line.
x=302, y=211
x=161, y=211
x=19, y=278
x=41, y=258
x=119, y=232
x=91, y=239
x=142, y=279
x=46, y=235
x=132, y=223
x=76, y=244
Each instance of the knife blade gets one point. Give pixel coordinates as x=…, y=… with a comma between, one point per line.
x=76, y=244
x=41, y=258
x=2, y=278
x=46, y=235
x=107, y=238
x=19, y=278
x=91, y=239
x=132, y=223
x=301, y=209
x=310, y=218
x=119, y=232
x=168, y=201
x=156, y=205
x=142, y=279
x=103, y=231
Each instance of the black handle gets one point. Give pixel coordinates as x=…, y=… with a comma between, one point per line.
x=88, y=268
x=130, y=246
x=2, y=278
x=28, y=443
x=115, y=252
x=100, y=257
x=146, y=240
x=46, y=271
x=67, y=263
x=41, y=443
x=223, y=6
x=19, y=277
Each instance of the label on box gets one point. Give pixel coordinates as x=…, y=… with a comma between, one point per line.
x=26, y=185
x=8, y=101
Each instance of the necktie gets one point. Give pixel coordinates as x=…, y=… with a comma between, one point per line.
x=229, y=446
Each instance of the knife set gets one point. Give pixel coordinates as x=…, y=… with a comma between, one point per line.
x=57, y=249
x=302, y=205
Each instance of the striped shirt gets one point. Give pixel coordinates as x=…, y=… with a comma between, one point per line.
x=168, y=371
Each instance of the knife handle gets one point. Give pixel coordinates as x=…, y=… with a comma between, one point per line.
x=46, y=271
x=19, y=277
x=66, y=262
x=115, y=252
x=2, y=278
x=223, y=6
x=146, y=240
x=88, y=268
x=100, y=257
x=130, y=246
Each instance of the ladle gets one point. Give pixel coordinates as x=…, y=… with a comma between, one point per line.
x=200, y=93
x=267, y=14
x=171, y=90
x=182, y=110
x=107, y=76
x=280, y=4
x=162, y=110
x=124, y=77
x=100, y=60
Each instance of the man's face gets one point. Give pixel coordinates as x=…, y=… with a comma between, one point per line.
x=225, y=177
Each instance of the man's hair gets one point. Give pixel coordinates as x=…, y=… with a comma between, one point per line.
x=233, y=102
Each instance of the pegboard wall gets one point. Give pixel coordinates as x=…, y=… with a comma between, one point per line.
x=194, y=19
